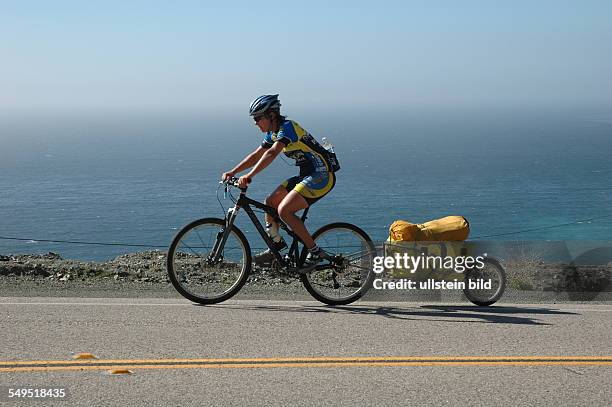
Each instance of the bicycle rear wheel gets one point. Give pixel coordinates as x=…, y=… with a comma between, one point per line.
x=194, y=273
x=349, y=274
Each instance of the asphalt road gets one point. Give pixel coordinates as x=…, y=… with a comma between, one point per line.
x=303, y=353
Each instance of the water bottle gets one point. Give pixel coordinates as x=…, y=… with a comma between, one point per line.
x=327, y=145
x=272, y=231
x=331, y=154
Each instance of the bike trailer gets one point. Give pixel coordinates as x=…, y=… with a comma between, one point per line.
x=449, y=229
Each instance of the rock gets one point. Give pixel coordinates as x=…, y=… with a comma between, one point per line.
x=52, y=256
x=40, y=271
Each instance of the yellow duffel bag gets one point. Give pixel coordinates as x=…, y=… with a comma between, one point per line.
x=448, y=229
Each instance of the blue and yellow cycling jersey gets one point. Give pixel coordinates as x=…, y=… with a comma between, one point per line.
x=308, y=154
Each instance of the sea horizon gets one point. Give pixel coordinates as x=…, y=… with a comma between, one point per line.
x=133, y=179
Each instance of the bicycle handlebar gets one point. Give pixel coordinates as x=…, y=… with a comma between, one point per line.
x=232, y=181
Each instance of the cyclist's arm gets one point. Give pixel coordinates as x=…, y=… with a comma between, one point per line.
x=268, y=156
x=250, y=160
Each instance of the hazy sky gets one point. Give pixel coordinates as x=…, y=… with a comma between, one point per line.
x=186, y=55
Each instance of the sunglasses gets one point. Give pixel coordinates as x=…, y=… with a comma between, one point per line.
x=258, y=118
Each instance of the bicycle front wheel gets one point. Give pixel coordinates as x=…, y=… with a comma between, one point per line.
x=348, y=274
x=193, y=271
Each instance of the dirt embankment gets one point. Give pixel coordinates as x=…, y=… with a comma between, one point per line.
x=141, y=267
x=149, y=267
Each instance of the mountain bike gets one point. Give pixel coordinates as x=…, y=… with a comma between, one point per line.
x=209, y=260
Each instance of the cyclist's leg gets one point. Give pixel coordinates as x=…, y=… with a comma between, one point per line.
x=310, y=189
x=279, y=194
x=292, y=203
x=274, y=199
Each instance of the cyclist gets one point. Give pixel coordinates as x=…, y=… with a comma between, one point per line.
x=314, y=181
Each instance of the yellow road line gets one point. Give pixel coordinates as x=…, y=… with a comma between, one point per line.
x=70, y=365
x=314, y=359
x=298, y=365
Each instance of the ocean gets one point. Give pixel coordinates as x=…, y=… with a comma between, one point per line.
x=136, y=179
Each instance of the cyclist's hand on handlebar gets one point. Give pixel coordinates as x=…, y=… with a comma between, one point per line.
x=244, y=181
x=227, y=175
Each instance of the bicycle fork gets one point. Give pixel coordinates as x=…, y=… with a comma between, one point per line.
x=223, y=234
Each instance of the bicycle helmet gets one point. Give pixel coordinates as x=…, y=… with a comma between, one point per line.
x=264, y=103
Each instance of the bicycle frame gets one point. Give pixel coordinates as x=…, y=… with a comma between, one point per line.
x=246, y=203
